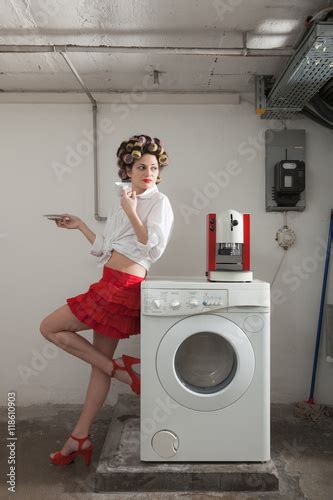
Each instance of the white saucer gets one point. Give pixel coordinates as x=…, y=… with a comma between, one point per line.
x=53, y=216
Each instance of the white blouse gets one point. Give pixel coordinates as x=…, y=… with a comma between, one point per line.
x=155, y=212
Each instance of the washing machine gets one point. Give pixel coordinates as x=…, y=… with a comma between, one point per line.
x=205, y=371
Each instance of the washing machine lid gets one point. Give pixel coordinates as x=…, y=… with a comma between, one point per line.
x=205, y=348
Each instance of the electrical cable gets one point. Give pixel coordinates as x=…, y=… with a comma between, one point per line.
x=319, y=14
x=279, y=267
x=285, y=250
x=284, y=125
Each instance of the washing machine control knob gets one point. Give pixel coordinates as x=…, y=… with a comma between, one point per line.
x=175, y=304
x=193, y=302
x=156, y=304
x=212, y=302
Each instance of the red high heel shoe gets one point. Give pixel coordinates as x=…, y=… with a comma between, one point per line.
x=60, y=459
x=128, y=362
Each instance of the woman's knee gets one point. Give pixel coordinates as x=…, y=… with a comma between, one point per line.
x=52, y=324
x=52, y=334
x=44, y=328
x=61, y=320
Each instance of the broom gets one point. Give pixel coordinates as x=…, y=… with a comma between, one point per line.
x=310, y=409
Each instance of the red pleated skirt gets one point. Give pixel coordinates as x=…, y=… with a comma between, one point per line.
x=110, y=306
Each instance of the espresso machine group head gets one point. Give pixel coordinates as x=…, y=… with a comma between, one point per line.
x=228, y=247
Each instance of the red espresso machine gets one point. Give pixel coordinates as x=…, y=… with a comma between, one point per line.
x=228, y=247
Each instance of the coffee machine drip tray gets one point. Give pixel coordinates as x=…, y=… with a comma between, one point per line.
x=229, y=276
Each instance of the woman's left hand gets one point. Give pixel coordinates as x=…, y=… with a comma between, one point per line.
x=128, y=201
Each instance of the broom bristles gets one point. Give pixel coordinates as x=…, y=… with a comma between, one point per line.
x=312, y=411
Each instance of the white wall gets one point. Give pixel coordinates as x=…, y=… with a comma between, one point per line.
x=41, y=265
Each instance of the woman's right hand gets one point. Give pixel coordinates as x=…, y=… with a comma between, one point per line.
x=69, y=221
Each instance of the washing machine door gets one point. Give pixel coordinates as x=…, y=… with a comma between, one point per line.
x=205, y=362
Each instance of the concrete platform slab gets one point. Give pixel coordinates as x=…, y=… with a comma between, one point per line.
x=119, y=467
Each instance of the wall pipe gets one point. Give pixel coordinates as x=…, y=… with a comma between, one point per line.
x=243, y=51
x=94, y=110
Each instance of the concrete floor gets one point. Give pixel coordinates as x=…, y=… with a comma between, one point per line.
x=120, y=467
x=301, y=450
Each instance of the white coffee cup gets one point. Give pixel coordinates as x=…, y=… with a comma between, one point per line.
x=120, y=186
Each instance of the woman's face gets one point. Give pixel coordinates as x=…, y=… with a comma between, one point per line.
x=144, y=173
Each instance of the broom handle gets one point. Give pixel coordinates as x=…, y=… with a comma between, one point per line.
x=321, y=311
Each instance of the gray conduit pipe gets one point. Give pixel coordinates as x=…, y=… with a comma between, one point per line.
x=94, y=110
x=243, y=51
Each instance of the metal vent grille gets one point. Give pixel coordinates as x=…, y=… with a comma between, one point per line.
x=308, y=70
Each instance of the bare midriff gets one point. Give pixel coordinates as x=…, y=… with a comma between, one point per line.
x=121, y=263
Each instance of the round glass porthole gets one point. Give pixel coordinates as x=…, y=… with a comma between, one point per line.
x=205, y=362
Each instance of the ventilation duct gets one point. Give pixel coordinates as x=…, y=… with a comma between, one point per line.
x=309, y=69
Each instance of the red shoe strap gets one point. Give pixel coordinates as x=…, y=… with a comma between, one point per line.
x=80, y=440
x=131, y=360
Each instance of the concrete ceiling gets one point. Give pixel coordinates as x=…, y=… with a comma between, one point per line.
x=270, y=24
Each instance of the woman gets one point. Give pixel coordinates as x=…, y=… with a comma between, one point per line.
x=135, y=236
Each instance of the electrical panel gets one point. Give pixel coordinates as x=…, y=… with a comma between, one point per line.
x=285, y=170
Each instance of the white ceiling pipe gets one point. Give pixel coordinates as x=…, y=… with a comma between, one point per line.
x=94, y=112
x=77, y=76
x=218, y=51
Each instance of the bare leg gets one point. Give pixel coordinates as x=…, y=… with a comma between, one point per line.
x=98, y=389
x=60, y=328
